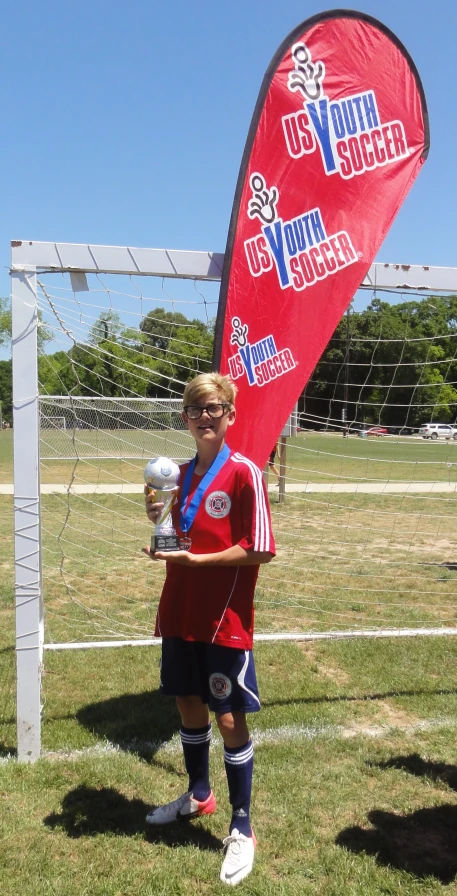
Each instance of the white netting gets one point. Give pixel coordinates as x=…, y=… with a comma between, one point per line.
x=366, y=536
x=90, y=427
x=47, y=421
x=392, y=364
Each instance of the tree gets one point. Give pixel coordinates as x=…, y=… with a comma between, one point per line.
x=55, y=374
x=6, y=390
x=181, y=348
x=43, y=335
x=401, y=368
x=5, y=322
x=108, y=326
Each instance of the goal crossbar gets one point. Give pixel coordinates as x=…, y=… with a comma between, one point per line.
x=176, y=263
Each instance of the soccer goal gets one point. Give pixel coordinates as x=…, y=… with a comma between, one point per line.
x=366, y=534
x=51, y=422
x=107, y=427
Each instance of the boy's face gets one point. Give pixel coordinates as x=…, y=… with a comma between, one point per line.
x=208, y=429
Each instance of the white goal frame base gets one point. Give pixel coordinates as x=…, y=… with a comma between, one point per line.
x=276, y=636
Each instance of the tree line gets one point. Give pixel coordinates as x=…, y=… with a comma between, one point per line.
x=394, y=365
x=389, y=364
x=117, y=361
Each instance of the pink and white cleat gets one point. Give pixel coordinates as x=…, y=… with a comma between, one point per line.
x=185, y=807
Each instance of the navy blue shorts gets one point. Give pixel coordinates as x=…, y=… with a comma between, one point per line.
x=223, y=677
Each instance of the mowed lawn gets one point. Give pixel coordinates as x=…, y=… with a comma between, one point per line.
x=355, y=763
x=311, y=456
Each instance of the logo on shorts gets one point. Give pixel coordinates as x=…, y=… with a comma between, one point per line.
x=218, y=505
x=220, y=686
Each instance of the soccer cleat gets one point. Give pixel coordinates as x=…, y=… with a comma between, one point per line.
x=185, y=807
x=239, y=857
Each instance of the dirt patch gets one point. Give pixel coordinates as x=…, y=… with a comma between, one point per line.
x=386, y=716
x=334, y=673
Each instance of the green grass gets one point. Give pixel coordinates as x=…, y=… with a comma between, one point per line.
x=345, y=561
x=355, y=561
x=355, y=778
x=355, y=764
x=319, y=457
x=312, y=457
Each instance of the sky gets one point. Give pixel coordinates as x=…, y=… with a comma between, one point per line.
x=125, y=123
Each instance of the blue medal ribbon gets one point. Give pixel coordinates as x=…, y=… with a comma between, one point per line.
x=186, y=517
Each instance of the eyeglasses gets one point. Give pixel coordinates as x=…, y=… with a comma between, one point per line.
x=194, y=411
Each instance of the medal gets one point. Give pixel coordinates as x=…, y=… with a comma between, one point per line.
x=186, y=517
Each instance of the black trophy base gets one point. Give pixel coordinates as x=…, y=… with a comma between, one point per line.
x=165, y=543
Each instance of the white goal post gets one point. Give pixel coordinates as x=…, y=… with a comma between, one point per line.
x=29, y=261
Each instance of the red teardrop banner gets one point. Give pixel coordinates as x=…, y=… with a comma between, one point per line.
x=338, y=136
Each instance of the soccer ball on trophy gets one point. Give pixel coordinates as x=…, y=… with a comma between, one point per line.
x=161, y=476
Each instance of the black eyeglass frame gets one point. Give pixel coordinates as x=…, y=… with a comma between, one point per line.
x=220, y=404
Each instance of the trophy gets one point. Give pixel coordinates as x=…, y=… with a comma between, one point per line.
x=161, y=476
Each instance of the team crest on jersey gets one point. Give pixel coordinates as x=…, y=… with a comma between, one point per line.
x=218, y=505
x=220, y=686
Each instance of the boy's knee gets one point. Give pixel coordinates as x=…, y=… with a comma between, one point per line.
x=194, y=713
x=225, y=722
x=233, y=728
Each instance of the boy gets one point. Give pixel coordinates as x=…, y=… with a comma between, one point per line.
x=205, y=615
x=271, y=462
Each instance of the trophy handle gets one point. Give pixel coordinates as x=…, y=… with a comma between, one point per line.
x=169, y=498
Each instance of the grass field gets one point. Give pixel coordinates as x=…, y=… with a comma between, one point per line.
x=313, y=457
x=355, y=763
x=361, y=561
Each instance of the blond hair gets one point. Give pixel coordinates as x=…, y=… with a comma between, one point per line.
x=206, y=383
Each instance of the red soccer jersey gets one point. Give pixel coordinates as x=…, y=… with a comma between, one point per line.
x=216, y=604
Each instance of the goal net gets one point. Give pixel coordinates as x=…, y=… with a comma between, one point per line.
x=366, y=511
x=111, y=427
x=47, y=421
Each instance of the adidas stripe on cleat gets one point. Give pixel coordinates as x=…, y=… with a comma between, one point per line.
x=185, y=807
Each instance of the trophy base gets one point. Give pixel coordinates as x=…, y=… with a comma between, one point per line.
x=165, y=543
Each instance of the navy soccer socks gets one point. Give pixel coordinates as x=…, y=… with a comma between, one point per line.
x=239, y=763
x=195, y=744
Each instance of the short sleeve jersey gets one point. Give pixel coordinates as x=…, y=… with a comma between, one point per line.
x=216, y=604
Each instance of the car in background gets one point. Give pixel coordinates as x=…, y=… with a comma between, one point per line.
x=438, y=431
x=373, y=431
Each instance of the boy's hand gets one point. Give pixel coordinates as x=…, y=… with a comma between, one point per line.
x=182, y=558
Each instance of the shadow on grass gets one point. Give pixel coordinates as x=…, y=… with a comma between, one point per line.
x=359, y=698
x=422, y=768
x=7, y=732
x=89, y=811
x=8, y=701
x=423, y=843
x=137, y=723
x=450, y=564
